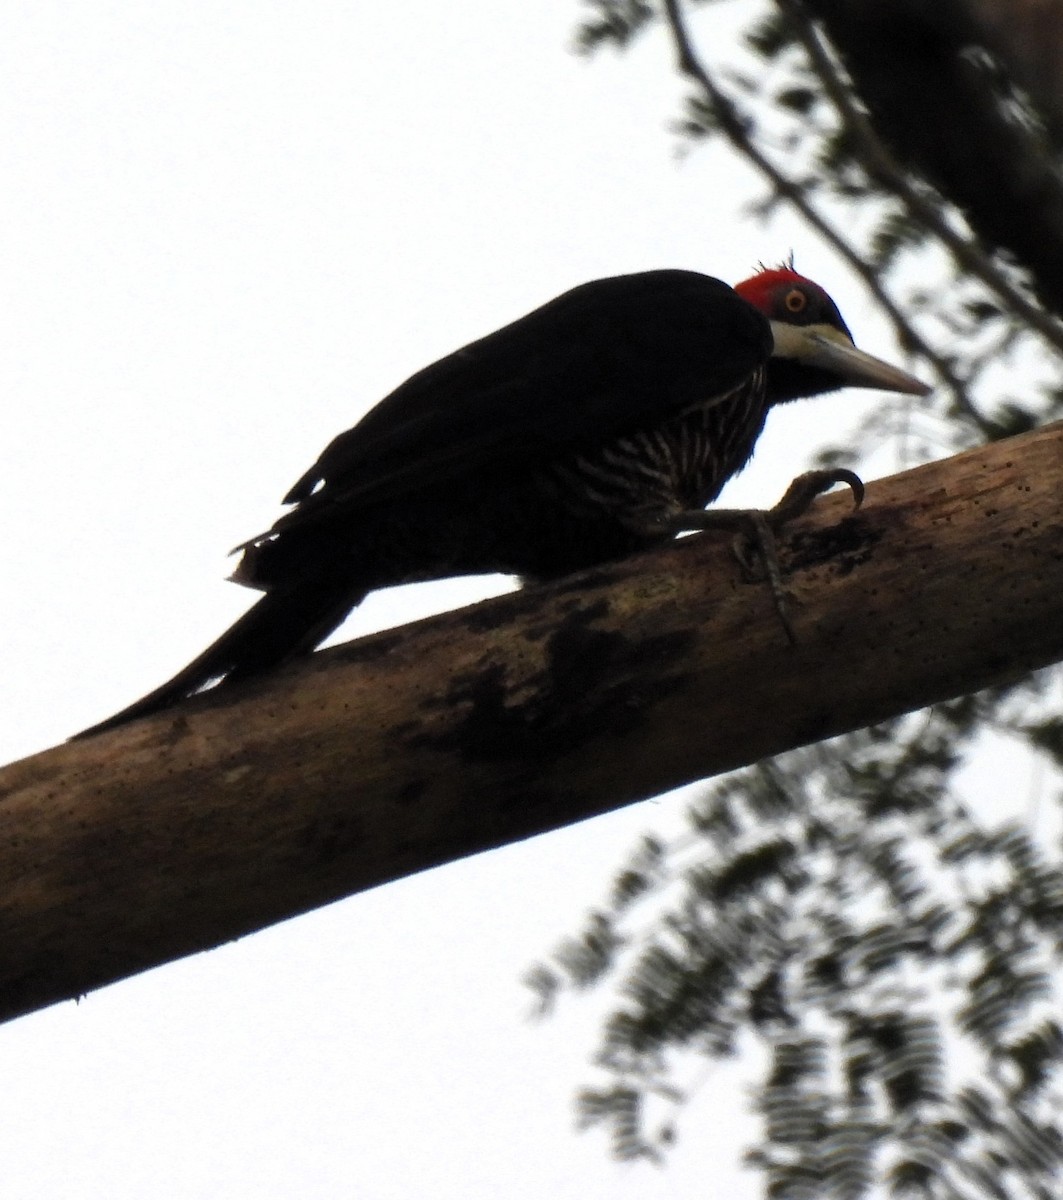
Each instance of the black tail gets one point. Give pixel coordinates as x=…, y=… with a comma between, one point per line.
x=283, y=625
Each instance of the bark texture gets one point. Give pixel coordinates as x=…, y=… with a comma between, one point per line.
x=421, y=745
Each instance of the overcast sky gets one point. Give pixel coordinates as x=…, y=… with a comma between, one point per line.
x=228, y=229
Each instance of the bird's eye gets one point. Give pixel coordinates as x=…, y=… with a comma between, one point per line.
x=795, y=301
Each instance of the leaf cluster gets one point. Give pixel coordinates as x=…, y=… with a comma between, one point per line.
x=838, y=917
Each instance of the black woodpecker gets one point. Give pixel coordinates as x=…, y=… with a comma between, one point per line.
x=577, y=435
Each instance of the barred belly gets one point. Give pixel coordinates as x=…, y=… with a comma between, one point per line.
x=616, y=499
x=659, y=471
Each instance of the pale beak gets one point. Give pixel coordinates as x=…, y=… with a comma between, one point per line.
x=829, y=349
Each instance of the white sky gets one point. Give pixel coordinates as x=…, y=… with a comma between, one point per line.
x=227, y=229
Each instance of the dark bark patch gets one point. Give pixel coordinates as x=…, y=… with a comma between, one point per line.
x=846, y=546
x=411, y=791
x=594, y=683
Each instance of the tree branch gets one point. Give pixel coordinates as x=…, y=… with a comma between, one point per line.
x=419, y=746
x=1027, y=35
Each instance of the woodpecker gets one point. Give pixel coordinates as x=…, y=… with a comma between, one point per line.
x=596, y=426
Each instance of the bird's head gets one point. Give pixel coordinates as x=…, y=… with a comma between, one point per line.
x=814, y=350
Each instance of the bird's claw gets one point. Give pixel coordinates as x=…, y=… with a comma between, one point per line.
x=754, y=545
x=764, y=525
x=805, y=488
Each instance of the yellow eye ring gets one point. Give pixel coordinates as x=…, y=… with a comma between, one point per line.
x=796, y=301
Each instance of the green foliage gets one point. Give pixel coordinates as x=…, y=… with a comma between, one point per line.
x=615, y=22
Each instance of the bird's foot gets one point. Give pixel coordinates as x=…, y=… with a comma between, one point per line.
x=754, y=544
x=805, y=488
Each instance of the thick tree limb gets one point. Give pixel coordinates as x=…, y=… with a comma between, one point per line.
x=882, y=167
x=480, y=727
x=938, y=110
x=1027, y=35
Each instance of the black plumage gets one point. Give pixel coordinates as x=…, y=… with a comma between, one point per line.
x=575, y=435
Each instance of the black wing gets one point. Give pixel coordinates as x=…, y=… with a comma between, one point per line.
x=596, y=362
